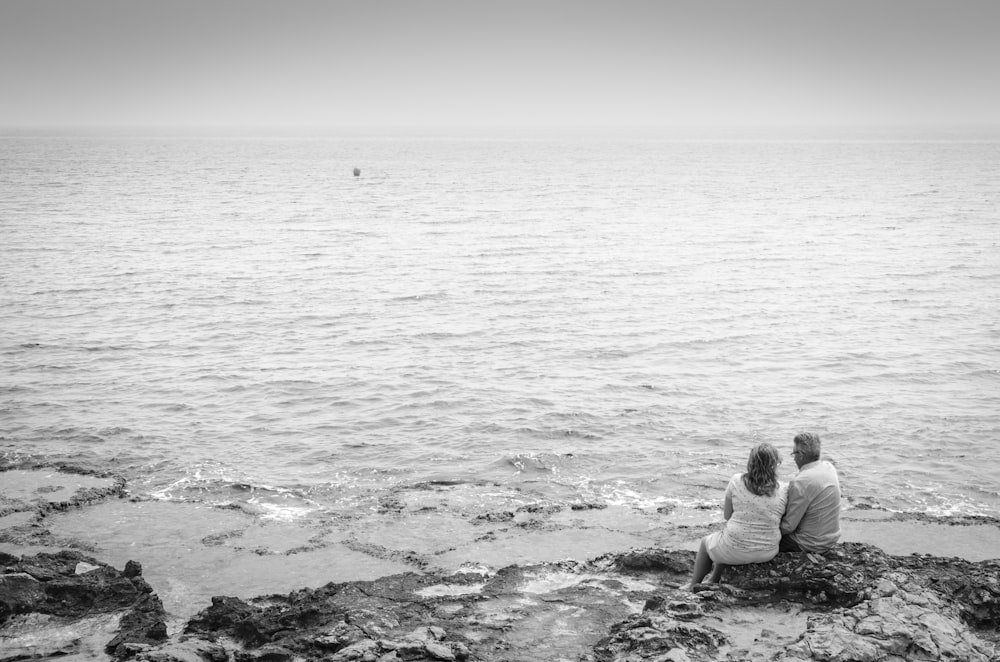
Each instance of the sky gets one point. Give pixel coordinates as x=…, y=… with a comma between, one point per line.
x=302, y=64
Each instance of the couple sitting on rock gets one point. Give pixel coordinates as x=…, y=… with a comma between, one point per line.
x=765, y=516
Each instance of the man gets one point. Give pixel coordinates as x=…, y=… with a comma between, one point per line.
x=812, y=517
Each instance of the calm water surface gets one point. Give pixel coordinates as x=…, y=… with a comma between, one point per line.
x=608, y=321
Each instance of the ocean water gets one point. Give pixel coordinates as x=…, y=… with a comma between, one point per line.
x=243, y=321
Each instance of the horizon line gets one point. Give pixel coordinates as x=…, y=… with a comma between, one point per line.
x=950, y=132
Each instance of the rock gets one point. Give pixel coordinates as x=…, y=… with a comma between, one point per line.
x=130, y=650
x=34, y=636
x=43, y=489
x=186, y=651
x=876, y=620
x=133, y=569
x=654, y=635
x=268, y=653
x=142, y=624
x=340, y=635
x=831, y=643
x=74, y=587
x=69, y=594
x=886, y=588
x=852, y=603
x=19, y=592
x=356, y=651
x=639, y=561
x=440, y=651
x=224, y=614
x=411, y=649
x=891, y=628
x=502, y=516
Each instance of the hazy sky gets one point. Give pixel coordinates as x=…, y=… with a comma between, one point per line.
x=296, y=63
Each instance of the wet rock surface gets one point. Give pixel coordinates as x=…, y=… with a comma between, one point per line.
x=852, y=603
x=45, y=489
x=56, y=591
x=855, y=602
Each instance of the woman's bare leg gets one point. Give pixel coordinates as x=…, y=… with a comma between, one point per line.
x=717, y=573
x=702, y=564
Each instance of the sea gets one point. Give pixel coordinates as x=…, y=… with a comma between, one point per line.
x=584, y=322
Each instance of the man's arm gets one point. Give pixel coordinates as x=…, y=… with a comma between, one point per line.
x=795, y=508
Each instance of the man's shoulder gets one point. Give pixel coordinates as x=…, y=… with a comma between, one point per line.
x=826, y=467
x=814, y=471
x=816, y=474
x=819, y=466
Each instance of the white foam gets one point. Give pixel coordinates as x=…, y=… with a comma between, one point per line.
x=280, y=512
x=441, y=590
x=557, y=581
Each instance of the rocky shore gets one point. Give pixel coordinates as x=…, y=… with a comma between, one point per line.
x=853, y=603
x=856, y=602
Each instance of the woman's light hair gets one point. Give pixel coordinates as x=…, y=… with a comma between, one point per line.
x=761, y=476
x=808, y=444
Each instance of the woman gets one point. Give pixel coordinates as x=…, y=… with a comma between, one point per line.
x=754, y=504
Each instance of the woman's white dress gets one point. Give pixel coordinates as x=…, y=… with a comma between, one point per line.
x=752, y=533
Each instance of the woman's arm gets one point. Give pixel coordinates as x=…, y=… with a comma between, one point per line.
x=795, y=508
x=727, y=506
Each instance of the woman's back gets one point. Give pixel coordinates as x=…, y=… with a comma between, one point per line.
x=754, y=524
x=752, y=532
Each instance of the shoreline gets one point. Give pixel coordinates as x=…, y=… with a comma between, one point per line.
x=192, y=553
x=42, y=509
x=31, y=495
x=853, y=602
x=589, y=582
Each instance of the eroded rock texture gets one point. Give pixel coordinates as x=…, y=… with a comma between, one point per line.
x=861, y=605
x=68, y=587
x=853, y=603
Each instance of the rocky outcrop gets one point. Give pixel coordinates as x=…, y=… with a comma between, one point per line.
x=358, y=620
x=862, y=605
x=44, y=489
x=853, y=603
x=69, y=586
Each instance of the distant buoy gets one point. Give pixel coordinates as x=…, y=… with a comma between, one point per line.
x=357, y=172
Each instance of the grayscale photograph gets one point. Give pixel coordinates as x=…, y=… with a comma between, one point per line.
x=525, y=331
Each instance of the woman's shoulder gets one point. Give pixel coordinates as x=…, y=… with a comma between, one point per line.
x=736, y=483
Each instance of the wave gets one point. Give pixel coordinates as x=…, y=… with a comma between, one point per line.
x=428, y=296
x=534, y=464
x=213, y=486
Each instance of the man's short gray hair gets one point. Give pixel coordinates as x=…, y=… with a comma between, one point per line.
x=808, y=443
